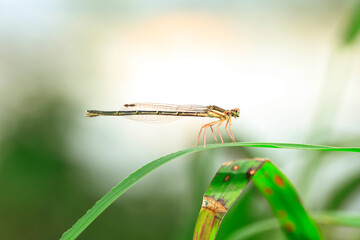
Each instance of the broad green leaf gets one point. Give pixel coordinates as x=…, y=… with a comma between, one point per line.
x=224, y=189
x=229, y=183
x=285, y=203
x=136, y=176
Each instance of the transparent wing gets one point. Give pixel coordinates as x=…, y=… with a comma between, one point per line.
x=159, y=107
x=164, y=107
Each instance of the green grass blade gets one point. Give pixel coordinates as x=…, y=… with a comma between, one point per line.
x=255, y=228
x=326, y=218
x=338, y=218
x=341, y=192
x=227, y=186
x=353, y=27
x=133, y=178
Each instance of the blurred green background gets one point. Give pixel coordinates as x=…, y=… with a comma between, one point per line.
x=292, y=67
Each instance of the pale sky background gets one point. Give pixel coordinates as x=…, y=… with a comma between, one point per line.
x=270, y=60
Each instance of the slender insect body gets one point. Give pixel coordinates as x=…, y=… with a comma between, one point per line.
x=154, y=111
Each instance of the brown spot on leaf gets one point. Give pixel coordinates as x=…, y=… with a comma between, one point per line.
x=249, y=173
x=227, y=177
x=279, y=181
x=289, y=227
x=235, y=167
x=268, y=191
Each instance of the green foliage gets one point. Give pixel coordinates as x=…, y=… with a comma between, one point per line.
x=353, y=26
x=133, y=178
x=229, y=183
x=285, y=203
x=36, y=177
x=224, y=189
x=328, y=218
x=342, y=192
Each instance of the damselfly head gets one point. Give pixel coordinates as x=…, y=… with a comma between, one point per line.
x=235, y=112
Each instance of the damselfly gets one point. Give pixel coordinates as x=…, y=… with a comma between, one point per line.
x=155, y=111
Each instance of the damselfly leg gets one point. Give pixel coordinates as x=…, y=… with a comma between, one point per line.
x=204, y=127
x=213, y=133
x=228, y=129
x=221, y=122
